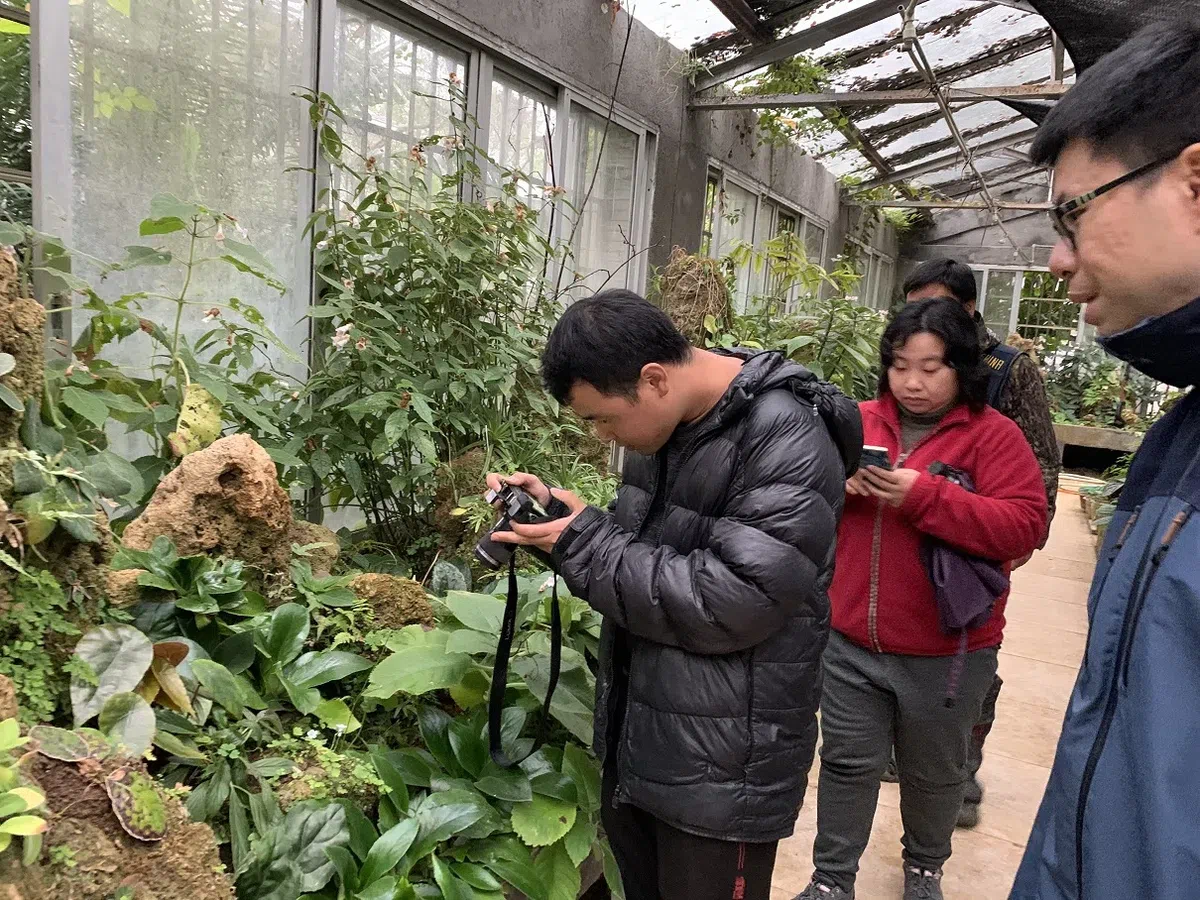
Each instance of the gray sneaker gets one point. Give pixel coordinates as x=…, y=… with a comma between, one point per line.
x=922, y=884
x=818, y=891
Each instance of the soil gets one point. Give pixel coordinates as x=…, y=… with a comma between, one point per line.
x=394, y=601
x=185, y=865
x=464, y=474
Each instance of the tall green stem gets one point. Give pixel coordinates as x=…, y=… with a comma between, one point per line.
x=176, y=366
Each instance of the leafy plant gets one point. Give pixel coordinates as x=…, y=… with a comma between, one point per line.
x=459, y=655
x=17, y=800
x=33, y=630
x=189, y=390
x=432, y=313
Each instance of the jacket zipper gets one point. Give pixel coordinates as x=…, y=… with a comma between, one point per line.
x=1177, y=523
x=1111, y=561
x=1141, y=585
x=877, y=545
x=659, y=482
x=659, y=486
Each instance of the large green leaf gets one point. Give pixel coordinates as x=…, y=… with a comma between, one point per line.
x=467, y=640
x=543, y=821
x=392, y=777
x=585, y=772
x=221, y=683
x=451, y=887
x=573, y=699
x=113, y=476
x=441, y=817
x=580, y=839
x=480, y=612
x=435, y=732
x=271, y=873
x=287, y=634
x=362, y=833
x=612, y=872
x=504, y=784
x=119, y=656
x=128, y=720
x=469, y=748
x=512, y=861
x=86, y=405
x=419, y=668
x=558, y=873
x=315, y=669
x=236, y=653
x=314, y=828
x=386, y=852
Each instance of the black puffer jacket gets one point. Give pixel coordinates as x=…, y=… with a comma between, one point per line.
x=725, y=618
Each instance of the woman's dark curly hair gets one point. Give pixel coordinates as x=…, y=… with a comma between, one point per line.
x=944, y=318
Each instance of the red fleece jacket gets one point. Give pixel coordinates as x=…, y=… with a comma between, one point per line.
x=881, y=596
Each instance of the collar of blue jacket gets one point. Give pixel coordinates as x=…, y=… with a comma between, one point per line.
x=1167, y=348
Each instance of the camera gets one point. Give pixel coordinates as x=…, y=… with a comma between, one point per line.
x=515, y=506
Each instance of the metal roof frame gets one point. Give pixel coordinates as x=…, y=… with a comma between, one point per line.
x=854, y=104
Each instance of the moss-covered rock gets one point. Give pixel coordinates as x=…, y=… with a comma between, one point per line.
x=89, y=855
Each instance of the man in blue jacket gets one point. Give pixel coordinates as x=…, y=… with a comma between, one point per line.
x=1121, y=815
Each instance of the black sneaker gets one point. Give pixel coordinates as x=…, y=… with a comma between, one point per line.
x=818, y=891
x=922, y=884
x=890, y=774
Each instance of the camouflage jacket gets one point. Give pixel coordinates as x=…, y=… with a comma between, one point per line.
x=1025, y=402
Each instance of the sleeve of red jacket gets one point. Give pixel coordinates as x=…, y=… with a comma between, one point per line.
x=1005, y=519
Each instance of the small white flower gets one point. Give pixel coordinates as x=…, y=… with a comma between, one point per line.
x=546, y=585
x=312, y=734
x=212, y=315
x=321, y=245
x=341, y=337
x=340, y=729
x=361, y=344
x=219, y=237
x=243, y=233
x=295, y=395
x=348, y=283
x=354, y=221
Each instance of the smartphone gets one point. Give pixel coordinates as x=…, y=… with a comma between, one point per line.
x=875, y=456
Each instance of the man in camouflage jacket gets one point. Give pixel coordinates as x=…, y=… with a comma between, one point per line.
x=1024, y=401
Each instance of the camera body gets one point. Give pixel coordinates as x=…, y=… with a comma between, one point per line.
x=515, y=506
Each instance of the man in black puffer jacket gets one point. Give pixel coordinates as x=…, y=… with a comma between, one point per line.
x=711, y=571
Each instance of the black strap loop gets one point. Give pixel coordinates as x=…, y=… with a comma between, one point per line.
x=508, y=630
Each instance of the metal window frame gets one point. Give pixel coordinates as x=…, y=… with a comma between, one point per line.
x=1014, y=316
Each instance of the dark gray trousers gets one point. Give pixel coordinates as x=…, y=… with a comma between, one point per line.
x=871, y=702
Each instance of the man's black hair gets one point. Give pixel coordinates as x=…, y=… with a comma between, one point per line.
x=955, y=277
x=606, y=340
x=944, y=318
x=1138, y=104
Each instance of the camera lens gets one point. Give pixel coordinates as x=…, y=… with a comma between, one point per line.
x=492, y=554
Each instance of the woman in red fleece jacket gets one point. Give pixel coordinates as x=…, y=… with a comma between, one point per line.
x=888, y=662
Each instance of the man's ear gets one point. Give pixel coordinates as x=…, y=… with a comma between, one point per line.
x=654, y=376
x=1190, y=160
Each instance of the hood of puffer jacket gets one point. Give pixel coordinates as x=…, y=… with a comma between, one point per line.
x=1167, y=348
x=769, y=370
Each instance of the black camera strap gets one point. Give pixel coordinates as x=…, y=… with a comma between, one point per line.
x=508, y=631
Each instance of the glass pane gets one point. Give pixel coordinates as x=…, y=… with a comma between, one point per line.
x=762, y=234
x=603, y=172
x=195, y=100
x=15, y=126
x=520, y=141
x=787, y=222
x=394, y=86
x=814, y=243
x=710, y=211
x=997, y=308
x=737, y=229
x=1046, y=315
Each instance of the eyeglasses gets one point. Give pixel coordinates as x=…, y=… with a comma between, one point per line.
x=1065, y=214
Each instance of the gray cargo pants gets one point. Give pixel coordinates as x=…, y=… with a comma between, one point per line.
x=871, y=702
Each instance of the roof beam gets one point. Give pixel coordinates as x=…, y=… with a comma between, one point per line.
x=1022, y=5
x=744, y=19
x=949, y=159
x=808, y=39
x=1047, y=91
x=951, y=204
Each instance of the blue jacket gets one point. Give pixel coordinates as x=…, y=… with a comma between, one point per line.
x=1121, y=815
